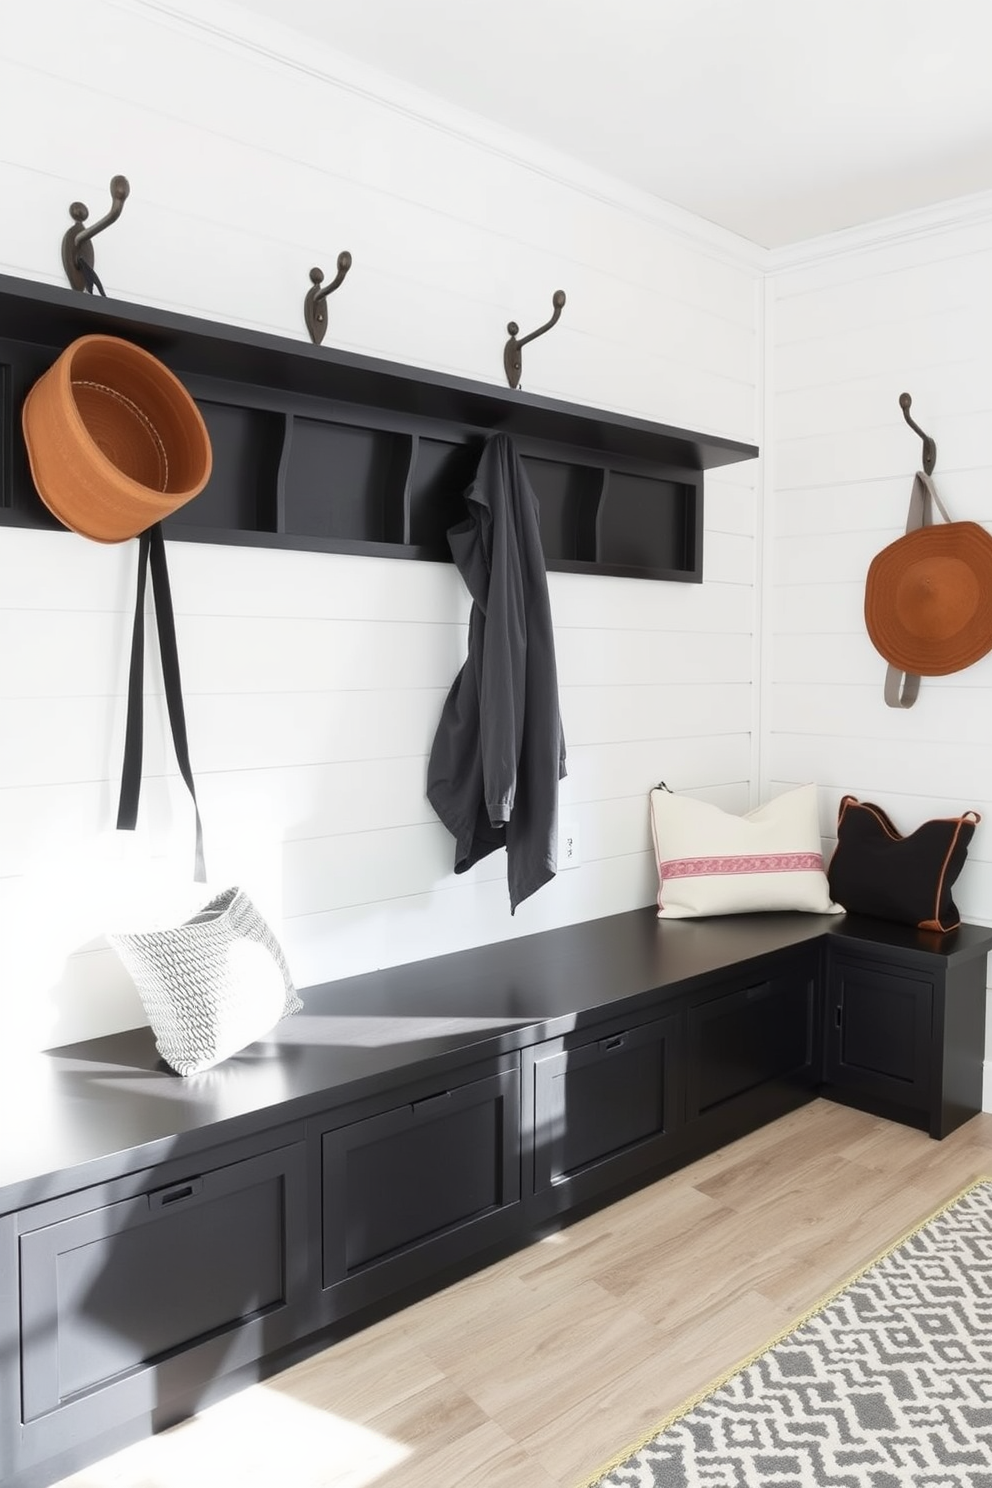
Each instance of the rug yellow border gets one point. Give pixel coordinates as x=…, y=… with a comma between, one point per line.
x=707, y=1390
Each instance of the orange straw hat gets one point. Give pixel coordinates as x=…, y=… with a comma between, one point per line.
x=114, y=440
x=928, y=599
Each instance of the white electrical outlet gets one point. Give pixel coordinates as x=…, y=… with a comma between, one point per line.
x=568, y=845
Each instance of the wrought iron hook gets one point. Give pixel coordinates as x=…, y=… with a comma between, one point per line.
x=512, y=361
x=77, y=245
x=314, y=308
x=929, y=446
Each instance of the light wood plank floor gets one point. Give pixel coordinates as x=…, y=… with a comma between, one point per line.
x=537, y=1370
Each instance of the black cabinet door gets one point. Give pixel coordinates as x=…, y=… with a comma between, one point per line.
x=599, y=1108
x=422, y=1184
x=879, y=1034
x=757, y=1034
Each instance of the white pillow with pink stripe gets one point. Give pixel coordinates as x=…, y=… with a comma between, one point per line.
x=713, y=863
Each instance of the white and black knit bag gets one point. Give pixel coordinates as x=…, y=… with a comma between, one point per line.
x=210, y=985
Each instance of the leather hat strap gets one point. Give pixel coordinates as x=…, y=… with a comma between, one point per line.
x=903, y=688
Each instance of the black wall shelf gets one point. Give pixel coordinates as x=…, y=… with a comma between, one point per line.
x=330, y=451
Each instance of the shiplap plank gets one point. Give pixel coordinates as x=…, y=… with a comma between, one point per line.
x=605, y=771
x=827, y=558
x=834, y=606
x=728, y=558
x=955, y=715
x=907, y=344
x=595, y=657
x=880, y=299
x=244, y=730
x=595, y=715
x=633, y=604
x=871, y=767
x=59, y=654
x=878, y=505
x=318, y=800
x=870, y=402
x=829, y=460
x=728, y=505
x=824, y=659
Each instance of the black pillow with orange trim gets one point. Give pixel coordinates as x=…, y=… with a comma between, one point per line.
x=877, y=871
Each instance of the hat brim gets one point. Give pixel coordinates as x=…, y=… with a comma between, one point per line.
x=928, y=599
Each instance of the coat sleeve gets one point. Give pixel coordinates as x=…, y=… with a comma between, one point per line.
x=504, y=640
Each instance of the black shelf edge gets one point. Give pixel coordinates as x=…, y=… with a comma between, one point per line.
x=48, y=315
x=302, y=542
x=624, y=570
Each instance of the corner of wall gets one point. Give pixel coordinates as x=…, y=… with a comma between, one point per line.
x=763, y=487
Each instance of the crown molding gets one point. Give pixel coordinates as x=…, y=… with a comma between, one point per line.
x=230, y=26
x=905, y=227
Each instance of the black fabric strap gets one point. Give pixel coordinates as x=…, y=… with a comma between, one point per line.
x=151, y=551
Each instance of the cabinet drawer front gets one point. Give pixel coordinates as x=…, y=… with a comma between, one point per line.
x=742, y=1039
x=602, y=1100
x=412, y=1175
x=109, y=1292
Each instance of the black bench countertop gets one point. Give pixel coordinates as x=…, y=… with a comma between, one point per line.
x=88, y=1112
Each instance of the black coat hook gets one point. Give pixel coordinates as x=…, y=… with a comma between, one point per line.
x=314, y=308
x=512, y=363
x=929, y=447
x=77, y=244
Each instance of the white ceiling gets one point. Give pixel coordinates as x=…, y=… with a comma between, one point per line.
x=778, y=119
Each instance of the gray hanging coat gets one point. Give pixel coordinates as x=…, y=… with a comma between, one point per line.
x=499, y=751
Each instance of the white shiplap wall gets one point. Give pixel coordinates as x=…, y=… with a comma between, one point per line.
x=314, y=682
x=847, y=332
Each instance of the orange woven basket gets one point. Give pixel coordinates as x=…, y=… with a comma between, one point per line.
x=114, y=440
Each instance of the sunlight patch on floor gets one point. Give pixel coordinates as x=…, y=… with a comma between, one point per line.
x=258, y=1439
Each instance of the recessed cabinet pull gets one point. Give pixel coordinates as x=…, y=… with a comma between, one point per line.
x=77, y=241
x=315, y=306
x=761, y=989
x=512, y=362
x=423, y=1107
x=163, y=1198
x=614, y=1042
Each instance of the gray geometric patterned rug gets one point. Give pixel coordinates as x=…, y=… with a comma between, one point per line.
x=887, y=1384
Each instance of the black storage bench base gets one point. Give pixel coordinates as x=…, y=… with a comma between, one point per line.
x=164, y=1241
